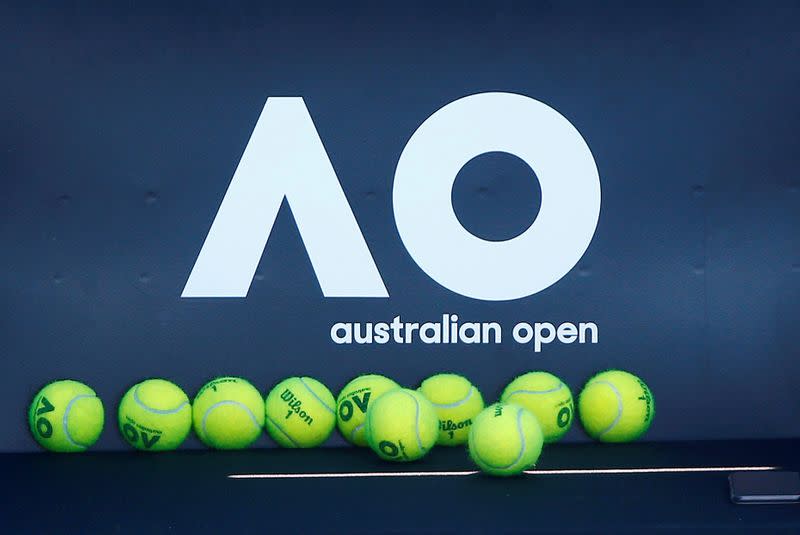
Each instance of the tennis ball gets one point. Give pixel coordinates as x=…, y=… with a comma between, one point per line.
x=547, y=397
x=300, y=413
x=505, y=439
x=228, y=413
x=155, y=415
x=616, y=406
x=456, y=402
x=66, y=416
x=401, y=425
x=352, y=403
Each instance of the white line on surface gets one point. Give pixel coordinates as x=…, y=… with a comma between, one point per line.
x=593, y=471
x=671, y=470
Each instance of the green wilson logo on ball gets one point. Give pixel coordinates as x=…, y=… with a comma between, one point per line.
x=457, y=403
x=295, y=406
x=300, y=413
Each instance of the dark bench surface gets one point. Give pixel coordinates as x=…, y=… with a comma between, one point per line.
x=190, y=491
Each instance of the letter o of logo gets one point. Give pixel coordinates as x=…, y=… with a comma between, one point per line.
x=525, y=264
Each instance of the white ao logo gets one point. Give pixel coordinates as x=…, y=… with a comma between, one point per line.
x=285, y=158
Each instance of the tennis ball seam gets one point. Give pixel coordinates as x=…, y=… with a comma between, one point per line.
x=550, y=391
x=523, y=447
x=416, y=421
x=619, y=407
x=146, y=407
x=332, y=411
x=355, y=430
x=227, y=402
x=455, y=403
x=279, y=428
x=66, y=416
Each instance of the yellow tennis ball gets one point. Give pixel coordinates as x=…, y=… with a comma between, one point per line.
x=300, y=413
x=352, y=403
x=616, y=406
x=228, y=413
x=547, y=397
x=505, y=439
x=66, y=416
x=155, y=415
x=456, y=402
x=401, y=425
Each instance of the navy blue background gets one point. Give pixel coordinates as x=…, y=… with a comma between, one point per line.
x=120, y=130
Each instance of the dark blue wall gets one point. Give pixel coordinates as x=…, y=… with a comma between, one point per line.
x=120, y=131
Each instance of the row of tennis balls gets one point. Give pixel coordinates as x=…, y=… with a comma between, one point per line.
x=156, y=414
x=506, y=437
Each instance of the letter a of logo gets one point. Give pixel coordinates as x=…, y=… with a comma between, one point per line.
x=285, y=158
